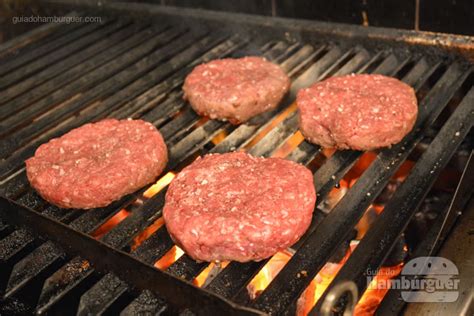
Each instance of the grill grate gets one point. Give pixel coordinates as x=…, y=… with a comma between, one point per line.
x=66, y=76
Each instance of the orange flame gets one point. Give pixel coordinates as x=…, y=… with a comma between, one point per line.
x=219, y=137
x=110, y=223
x=145, y=234
x=289, y=145
x=159, y=185
x=267, y=273
x=202, y=277
x=280, y=117
x=404, y=170
x=169, y=258
x=366, y=306
x=328, y=152
x=336, y=194
x=371, y=298
x=318, y=285
x=360, y=166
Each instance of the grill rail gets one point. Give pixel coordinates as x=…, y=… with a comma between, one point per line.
x=64, y=77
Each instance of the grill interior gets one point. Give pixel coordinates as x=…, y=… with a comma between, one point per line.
x=59, y=77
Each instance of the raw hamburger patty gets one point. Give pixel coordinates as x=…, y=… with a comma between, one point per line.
x=235, y=89
x=238, y=207
x=361, y=112
x=98, y=163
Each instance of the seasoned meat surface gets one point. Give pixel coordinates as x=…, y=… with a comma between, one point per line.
x=98, y=163
x=238, y=207
x=360, y=112
x=235, y=89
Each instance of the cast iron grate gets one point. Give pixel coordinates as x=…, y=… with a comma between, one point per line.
x=126, y=68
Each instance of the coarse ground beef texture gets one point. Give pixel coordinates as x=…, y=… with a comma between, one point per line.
x=238, y=207
x=235, y=89
x=361, y=112
x=98, y=163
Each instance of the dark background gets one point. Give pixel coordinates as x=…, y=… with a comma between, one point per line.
x=447, y=16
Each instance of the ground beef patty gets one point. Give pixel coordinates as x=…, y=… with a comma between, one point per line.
x=238, y=207
x=235, y=89
x=361, y=112
x=97, y=163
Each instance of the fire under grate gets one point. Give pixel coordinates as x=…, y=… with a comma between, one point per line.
x=102, y=261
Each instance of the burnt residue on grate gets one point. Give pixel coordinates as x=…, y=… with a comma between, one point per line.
x=127, y=67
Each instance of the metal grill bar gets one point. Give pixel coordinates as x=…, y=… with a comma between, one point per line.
x=32, y=200
x=15, y=187
x=129, y=74
x=35, y=265
x=245, y=272
x=95, y=34
x=145, y=304
x=32, y=38
x=181, y=267
x=286, y=287
x=114, y=35
x=120, y=235
x=89, y=79
x=380, y=239
x=94, y=302
x=145, y=277
x=72, y=74
x=70, y=33
x=184, y=265
x=323, y=180
x=392, y=302
x=14, y=246
x=65, y=282
x=98, y=74
x=88, y=223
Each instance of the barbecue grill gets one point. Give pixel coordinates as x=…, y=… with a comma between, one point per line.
x=132, y=64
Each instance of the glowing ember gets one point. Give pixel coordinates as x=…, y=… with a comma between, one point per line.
x=335, y=195
x=289, y=145
x=404, y=170
x=169, y=258
x=111, y=223
x=201, y=121
x=372, y=297
x=270, y=126
x=209, y=273
x=219, y=137
x=366, y=221
x=360, y=166
x=267, y=273
x=150, y=230
x=319, y=284
x=159, y=185
x=369, y=301
x=328, y=152
x=366, y=306
x=378, y=208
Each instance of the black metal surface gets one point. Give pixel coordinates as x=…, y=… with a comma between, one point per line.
x=107, y=258
x=393, y=302
x=330, y=232
x=124, y=68
x=381, y=237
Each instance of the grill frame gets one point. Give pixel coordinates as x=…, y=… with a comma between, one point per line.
x=316, y=60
